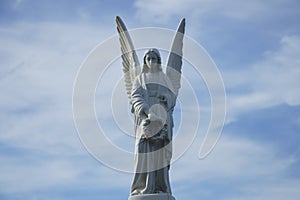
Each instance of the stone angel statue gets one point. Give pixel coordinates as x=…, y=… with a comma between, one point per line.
x=152, y=94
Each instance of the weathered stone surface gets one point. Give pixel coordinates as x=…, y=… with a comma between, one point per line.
x=152, y=94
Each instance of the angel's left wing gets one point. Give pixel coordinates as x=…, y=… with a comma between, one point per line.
x=174, y=64
x=130, y=62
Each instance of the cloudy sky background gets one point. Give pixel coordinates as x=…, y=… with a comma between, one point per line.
x=255, y=44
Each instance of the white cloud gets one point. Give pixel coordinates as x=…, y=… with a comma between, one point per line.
x=163, y=10
x=230, y=156
x=279, y=73
x=32, y=173
x=271, y=81
x=39, y=65
x=17, y=175
x=254, y=169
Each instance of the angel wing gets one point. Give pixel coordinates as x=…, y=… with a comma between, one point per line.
x=130, y=62
x=174, y=64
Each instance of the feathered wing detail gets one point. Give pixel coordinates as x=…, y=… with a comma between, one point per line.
x=130, y=62
x=174, y=64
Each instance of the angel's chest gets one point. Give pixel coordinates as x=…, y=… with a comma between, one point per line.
x=155, y=90
x=155, y=93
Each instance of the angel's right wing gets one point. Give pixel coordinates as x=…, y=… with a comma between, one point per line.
x=131, y=65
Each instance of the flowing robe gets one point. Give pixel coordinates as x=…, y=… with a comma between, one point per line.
x=152, y=104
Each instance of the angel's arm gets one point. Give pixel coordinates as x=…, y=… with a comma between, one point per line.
x=140, y=106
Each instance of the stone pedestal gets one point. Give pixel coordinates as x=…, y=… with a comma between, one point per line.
x=152, y=197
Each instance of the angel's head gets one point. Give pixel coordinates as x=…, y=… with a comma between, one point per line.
x=152, y=61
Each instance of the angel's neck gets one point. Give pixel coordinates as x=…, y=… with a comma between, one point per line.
x=153, y=70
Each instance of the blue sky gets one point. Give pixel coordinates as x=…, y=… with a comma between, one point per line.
x=255, y=44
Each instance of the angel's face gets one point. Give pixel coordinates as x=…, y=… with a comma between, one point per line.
x=152, y=61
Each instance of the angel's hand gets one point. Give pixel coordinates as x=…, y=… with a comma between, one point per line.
x=150, y=117
x=146, y=122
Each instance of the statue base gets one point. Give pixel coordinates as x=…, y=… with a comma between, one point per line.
x=152, y=197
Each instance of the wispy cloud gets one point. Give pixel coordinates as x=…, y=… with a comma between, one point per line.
x=19, y=175
x=253, y=169
x=39, y=62
x=163, y=10
x=40, y=151
x=272, y=81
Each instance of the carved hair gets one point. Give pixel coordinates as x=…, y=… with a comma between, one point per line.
x=156, y=52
